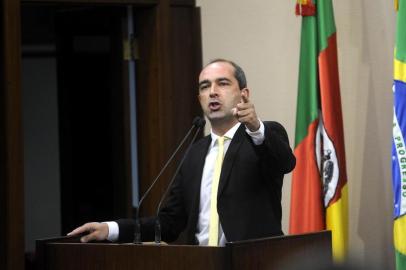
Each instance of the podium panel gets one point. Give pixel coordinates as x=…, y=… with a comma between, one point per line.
x=67, y=253
x=272, y=253
x=128, y=256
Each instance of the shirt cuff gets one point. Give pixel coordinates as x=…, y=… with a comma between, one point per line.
x=257, y=136
x=113, y=231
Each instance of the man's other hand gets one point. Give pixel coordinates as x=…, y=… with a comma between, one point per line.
x=96, y=231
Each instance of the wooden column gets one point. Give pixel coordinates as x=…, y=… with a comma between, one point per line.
x=170, y=60
x=11, y=141
x=153, y=81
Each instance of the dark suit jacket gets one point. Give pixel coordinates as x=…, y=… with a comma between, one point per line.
x=249, y=194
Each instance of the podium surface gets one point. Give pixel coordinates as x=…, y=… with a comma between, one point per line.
x=266, y=253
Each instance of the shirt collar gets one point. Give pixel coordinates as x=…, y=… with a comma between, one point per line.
x=229, y=134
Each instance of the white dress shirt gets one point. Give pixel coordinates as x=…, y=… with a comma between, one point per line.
x=202, y=230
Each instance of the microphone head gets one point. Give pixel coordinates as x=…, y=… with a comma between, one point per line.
x=199, y=122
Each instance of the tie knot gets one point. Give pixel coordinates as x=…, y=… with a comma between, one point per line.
x=221, y=140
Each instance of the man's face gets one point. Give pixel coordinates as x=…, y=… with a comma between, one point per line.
x=219, y=92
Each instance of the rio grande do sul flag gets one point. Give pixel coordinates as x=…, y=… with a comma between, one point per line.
x=319, y=198
x=399, y=130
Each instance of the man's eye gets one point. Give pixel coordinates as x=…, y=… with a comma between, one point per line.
x=203, y=87
x=223, y=83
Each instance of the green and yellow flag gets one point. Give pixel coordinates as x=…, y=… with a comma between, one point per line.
x=399, y=129
x=319, y=184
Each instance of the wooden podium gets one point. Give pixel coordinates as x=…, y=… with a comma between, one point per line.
x=267, y=253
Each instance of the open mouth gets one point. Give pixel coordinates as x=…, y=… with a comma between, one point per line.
x=214, y=105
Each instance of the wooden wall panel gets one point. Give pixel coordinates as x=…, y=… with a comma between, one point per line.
x=170, y=61
x=11, y=143
x=96, y=2
x=152, y=72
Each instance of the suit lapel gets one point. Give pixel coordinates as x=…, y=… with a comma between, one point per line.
x=199, y=158
x=230, y=157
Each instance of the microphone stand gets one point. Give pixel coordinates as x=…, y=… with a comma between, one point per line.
x=137, y=230
x=157, y=221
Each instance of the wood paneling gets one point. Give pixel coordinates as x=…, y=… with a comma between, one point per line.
x=108, y=256
x=11, y=142
x=96, y=2
x=153, y=84
x=188, y=3
x=191, y=3
x=283, y=252
x=170, y=60
x=278, y=252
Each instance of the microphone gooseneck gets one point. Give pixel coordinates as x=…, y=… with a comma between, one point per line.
x=199, y=125
x=197, y=122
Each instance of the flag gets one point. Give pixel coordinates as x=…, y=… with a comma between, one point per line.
x=398, y=146
x=319, y=199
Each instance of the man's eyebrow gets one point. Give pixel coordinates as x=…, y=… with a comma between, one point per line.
x=203, y=82
x=217, y=80
x=223, y=79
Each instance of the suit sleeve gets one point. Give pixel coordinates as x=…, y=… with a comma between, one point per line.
x=172, y=218
x=276, y=149
x=173, y=215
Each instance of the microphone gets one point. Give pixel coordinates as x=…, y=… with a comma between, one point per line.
x=197, y=122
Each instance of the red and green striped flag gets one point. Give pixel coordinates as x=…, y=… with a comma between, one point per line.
x=319, y=199
x=399, y=132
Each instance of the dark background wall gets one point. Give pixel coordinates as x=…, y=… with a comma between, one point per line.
x=65, y=115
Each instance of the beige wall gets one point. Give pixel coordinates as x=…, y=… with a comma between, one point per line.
x=263, y=37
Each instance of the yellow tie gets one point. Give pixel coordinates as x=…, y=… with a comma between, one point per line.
x=214, y=217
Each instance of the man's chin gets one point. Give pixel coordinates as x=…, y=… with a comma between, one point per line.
x=218, y=117
x=215, y=115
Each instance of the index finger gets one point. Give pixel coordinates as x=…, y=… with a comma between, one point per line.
x=84, y=228
x=244, y=98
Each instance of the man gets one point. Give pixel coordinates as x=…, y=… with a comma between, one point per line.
x=229, y=187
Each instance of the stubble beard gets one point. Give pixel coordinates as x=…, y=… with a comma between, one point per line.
x=220, y=118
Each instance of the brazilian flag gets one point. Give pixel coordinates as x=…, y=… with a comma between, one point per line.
x=399, y=129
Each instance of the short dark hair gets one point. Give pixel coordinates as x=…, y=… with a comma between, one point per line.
x=238, y=72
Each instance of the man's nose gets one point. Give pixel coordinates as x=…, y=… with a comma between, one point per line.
x=213, y=90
